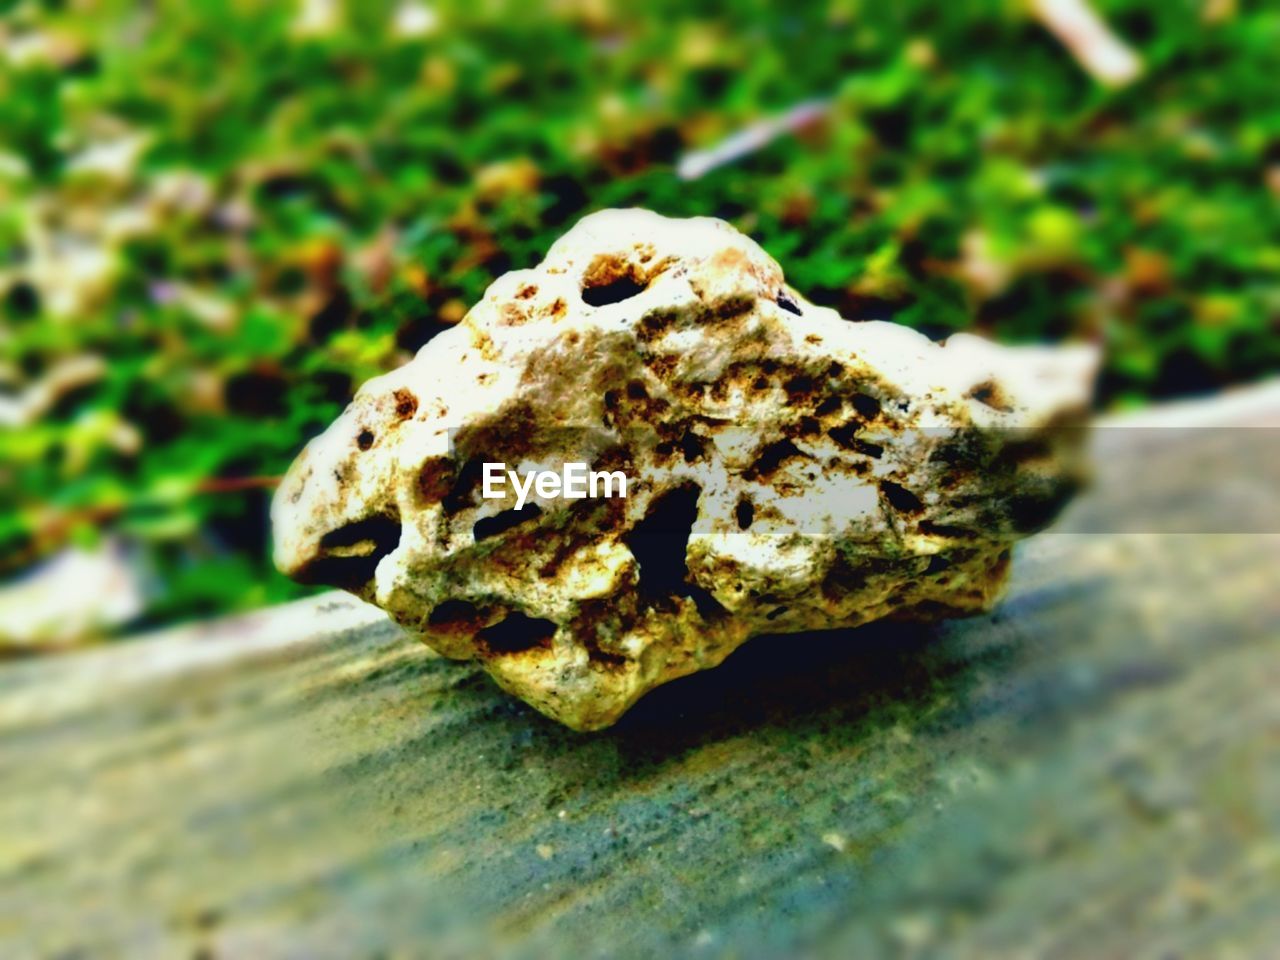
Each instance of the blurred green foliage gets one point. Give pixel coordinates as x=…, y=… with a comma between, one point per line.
x=218, y=218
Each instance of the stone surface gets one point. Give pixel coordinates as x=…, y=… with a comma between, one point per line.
x=790, y=470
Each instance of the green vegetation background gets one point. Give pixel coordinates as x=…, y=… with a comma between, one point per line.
x=218, y=218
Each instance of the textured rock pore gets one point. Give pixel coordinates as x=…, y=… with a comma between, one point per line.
x=789, y=469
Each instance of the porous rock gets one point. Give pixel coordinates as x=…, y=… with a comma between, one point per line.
x=791, y=470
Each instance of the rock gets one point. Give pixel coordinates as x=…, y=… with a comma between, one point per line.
x=789, y=469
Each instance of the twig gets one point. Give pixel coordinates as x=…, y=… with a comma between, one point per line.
x=1080, y=29
x=754, y=137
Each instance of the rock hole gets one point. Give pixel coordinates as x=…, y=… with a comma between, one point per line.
x=775, y=613
x=846, y=436
x=659, y=541
x=610, y=280
x=516, y=633
x=707, y=605
x=989, y=394
x=365, y=439
x=900, y=498
x=771, y=457
x=868, y=407
x=799, y=387
x=374, y=531
x=828, y=406
x=487, y=527
x=455, y=614
x=937, y=563
x=610, y=407
x=692, y=446
x=350, y=555
x=786, y=303
x=624, y=288
x=604, y=659
x=744, y=512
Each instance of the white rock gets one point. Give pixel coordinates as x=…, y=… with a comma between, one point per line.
x=791, y=470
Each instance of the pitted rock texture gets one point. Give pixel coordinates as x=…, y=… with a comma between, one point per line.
x=790, y=469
